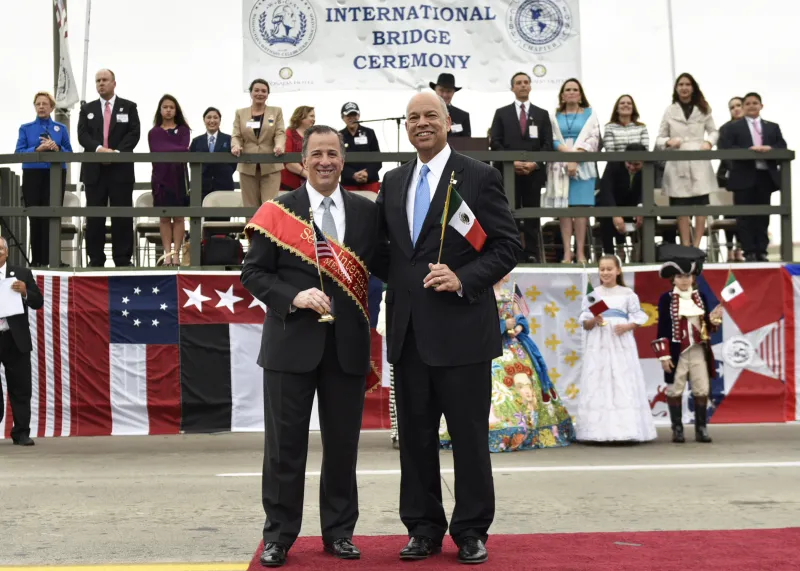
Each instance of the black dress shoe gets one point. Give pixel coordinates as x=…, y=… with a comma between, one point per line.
x=762, y=258
x=343, y=548
x=396, y=444
x=274, y=555
x=24, y=441
x=419, y=547
x=472, y=550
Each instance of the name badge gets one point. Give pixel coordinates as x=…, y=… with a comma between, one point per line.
x=360, y=140
x=253, y=125
x=456, y=128
x=533, y=131
x=630, y=227
x=122, y=117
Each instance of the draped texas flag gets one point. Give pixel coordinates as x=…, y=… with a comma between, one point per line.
x=733, y=293
x=460, y=217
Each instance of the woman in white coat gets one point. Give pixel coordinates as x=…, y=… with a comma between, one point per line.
x=688, y=125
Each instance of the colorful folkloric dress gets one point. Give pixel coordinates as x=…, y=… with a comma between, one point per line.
x=526, y=411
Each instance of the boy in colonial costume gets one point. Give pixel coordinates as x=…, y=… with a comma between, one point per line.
x=683, y=345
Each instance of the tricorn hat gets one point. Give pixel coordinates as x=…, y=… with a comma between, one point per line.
x=680, y=260
x=445, y=80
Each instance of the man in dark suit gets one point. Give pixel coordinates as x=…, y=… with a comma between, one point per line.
x=108, y=125
x=621, y=185
x=445, y=87
x=753, y=182
x=442, y=329
x=15, y=348
x=301, y=356
x=522, y=126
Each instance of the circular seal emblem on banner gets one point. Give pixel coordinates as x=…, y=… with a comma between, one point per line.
x=285, y=73
x=539, y=70
x=283, y=28
x=538, y=26
x=738, y=352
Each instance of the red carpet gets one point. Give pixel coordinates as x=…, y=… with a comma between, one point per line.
x=748, y=550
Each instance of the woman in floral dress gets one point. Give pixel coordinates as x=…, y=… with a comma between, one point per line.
x=526, y=411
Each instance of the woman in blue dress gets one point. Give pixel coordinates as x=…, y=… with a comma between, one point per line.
x=575, y=130
x=526, y=411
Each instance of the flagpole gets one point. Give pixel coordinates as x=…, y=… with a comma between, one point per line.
x=326, y=317
x=61, y=115
x=444, y=216
x=86, y=50
x=671, y=41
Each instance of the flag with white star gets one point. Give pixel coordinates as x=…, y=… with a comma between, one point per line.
x=143, y=309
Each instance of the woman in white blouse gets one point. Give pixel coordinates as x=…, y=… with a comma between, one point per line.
x=624, y=127
x=688, y=125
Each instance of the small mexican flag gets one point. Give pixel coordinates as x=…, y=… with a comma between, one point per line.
x=460, y=217
x=596, y=305
x=733, y=293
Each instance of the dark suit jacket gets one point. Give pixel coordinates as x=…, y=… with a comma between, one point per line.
x=18, y=324
x=294, y=341
x=122, y=137
x=736, y=135
x=450, y=330
x=215, y=176
x=459, y=117
x=507, y=136
x=373, y=169
x=617, y=188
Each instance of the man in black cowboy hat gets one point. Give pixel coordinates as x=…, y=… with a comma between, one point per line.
x=683, y=346
x=445, y=87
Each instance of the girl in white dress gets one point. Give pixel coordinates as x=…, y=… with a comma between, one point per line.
x=612, y=403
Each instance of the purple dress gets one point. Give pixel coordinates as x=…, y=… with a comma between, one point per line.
x=169, y=179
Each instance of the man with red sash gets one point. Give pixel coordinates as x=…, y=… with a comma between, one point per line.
x=685, y=325
x=301, y=355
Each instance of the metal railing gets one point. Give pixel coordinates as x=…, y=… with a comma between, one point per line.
x=195, y=211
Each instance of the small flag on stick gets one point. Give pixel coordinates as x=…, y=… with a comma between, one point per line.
x=458, y=215
x=596, y=305
x=733, y=293
x=519, y=299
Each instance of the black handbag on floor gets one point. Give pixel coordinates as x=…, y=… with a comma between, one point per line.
x=221, y=251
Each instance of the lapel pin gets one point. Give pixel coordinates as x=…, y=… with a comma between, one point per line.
x=90, y=116
x=56, y=128
x=10, y=274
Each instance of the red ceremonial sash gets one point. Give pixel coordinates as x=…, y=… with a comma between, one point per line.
x=292, y=233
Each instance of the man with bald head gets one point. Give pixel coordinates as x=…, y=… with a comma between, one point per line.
x=442, y=328
x=108, y=125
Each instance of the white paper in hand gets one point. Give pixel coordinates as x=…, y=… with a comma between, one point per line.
x=10, y=301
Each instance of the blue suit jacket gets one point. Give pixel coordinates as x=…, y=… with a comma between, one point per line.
x=29, y=134
x=215, y=176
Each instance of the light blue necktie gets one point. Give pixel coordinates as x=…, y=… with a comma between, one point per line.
x=211, y=140
x=422, y=202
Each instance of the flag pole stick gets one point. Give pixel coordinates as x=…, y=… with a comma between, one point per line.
x=444, y=215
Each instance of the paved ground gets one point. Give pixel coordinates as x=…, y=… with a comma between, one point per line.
x=162, y=499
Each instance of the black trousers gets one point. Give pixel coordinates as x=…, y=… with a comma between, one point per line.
x=529, y=195
x=17, y=365
x=463, y=394
x=753, y=231
x=104, y=193
x=36, y=192
x=288, y=401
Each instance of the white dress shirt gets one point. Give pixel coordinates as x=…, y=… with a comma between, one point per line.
x=527, y=105
x=3, y=322
x=757, y=126
x=113, y=100
x=337, y=210
x=436, y=166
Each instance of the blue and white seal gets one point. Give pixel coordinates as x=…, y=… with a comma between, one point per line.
x=539, y=26
x=283, y=28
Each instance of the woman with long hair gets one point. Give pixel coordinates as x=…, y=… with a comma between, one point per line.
x=688, y=125
x=294, y=175
x=170, y=134
x=575, y=130
x=624, y=127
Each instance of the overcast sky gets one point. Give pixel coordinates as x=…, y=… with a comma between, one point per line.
x=193, y=50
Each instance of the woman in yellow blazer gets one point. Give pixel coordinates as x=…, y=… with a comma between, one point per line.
x=259, y=129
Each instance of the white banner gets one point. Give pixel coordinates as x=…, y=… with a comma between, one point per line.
x=67, y=89
x=373, y=44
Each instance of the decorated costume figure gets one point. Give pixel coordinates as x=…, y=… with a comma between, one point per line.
x=684, y=329
x=526, y=411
